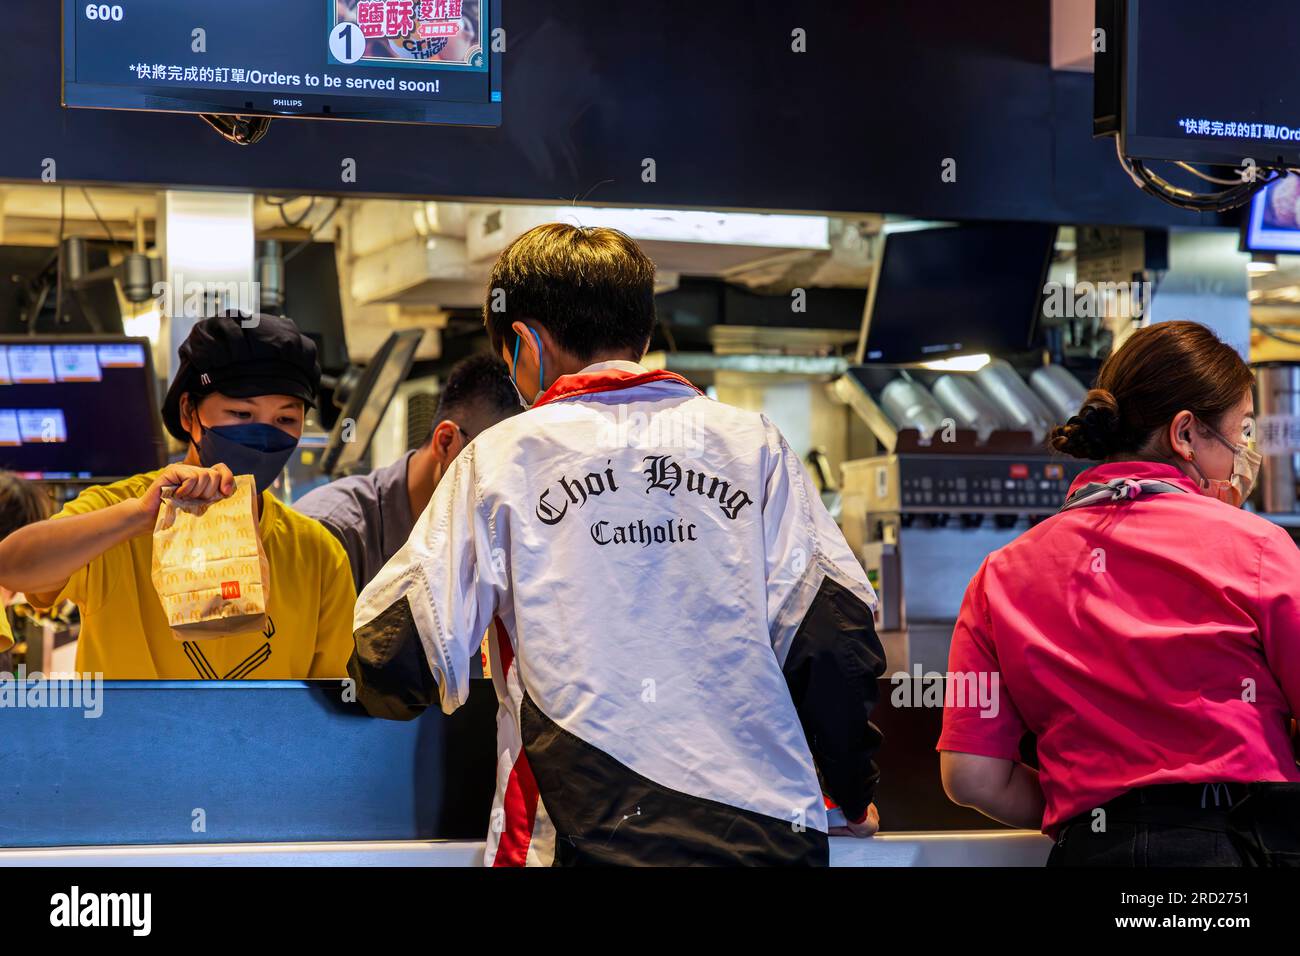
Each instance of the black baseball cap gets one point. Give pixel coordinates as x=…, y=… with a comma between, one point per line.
x=242, y=358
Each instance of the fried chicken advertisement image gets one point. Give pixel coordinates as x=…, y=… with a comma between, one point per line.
x=422, y=32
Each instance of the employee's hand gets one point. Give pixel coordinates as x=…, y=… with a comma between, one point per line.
x=866, y=828
x=192, y=484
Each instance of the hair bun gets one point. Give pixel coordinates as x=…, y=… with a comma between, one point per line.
x=1095, y=432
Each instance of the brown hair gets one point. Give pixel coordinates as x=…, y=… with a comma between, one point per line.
x=592, y=288
x=1160, y=371
x=21, y=503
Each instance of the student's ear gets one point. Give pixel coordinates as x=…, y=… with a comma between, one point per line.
x=446, y=440
x=528, y=340
x=1180, y=435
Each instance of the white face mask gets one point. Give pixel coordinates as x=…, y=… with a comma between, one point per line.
x=523, y=402
x=1245, y=471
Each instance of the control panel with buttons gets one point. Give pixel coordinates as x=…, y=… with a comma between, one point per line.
x=973, y=484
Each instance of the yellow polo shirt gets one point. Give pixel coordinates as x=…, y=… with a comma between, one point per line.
x=124, y=634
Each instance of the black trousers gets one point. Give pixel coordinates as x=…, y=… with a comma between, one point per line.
x=1177, y=825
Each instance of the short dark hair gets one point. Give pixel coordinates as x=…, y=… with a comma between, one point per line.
x=592, y=289
x=477, y=393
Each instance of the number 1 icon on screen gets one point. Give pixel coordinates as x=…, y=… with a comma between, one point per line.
x=347, y=43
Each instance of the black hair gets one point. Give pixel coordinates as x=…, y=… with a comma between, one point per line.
x=21, y=503
x=478, y=390
x=592, y=289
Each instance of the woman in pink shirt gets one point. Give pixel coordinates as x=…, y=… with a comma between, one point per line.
x=1149, y=634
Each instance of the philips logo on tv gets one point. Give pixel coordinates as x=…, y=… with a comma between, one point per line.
x=286, y=102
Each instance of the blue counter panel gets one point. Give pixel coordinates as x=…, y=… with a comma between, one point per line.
x=190, y=762
x=242, y=761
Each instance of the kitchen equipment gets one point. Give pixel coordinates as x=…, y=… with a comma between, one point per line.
x=963, y=400
x=1277, y=387
x=923, y=522
x=1023, y=409
x=1061, y=392
x=909, y=404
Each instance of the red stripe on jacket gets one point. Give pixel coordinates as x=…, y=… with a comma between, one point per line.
x=520, y=799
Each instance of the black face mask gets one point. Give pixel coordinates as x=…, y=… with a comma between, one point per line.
x=254, y=448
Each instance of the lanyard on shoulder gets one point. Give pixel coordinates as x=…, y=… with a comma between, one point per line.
x=1118, y=489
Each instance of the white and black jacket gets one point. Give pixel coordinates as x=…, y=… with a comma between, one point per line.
x=682, y=642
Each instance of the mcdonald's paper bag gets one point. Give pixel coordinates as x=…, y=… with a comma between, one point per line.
x=209, y=568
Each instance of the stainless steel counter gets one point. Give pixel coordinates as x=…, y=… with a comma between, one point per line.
x=1008, y=848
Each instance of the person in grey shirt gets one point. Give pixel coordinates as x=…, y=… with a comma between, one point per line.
x=373, y=514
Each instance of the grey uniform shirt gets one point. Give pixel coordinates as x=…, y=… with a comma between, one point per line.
x=370, y=514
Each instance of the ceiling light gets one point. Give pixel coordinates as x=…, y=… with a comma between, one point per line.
x=958, y=363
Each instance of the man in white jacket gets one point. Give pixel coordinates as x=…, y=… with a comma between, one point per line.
x=682, y=642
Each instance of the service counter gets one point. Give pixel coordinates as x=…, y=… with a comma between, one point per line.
x=957, y=848
x=289, y=773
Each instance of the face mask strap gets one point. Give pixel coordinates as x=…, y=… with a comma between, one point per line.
x=1204, y=480
x=203, y=429
x=1219, y=437
x=1241, y=482
x=1235, y=449
x=541, y=364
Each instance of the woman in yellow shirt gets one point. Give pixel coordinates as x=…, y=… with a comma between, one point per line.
x=239, y=400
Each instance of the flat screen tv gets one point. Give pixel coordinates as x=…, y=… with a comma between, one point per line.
x=956, y=290
x=1202, y=84
x=1273, y=223
x=76, y=407
x=399, y=61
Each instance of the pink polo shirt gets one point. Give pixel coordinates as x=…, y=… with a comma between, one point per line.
x=1144, y=642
